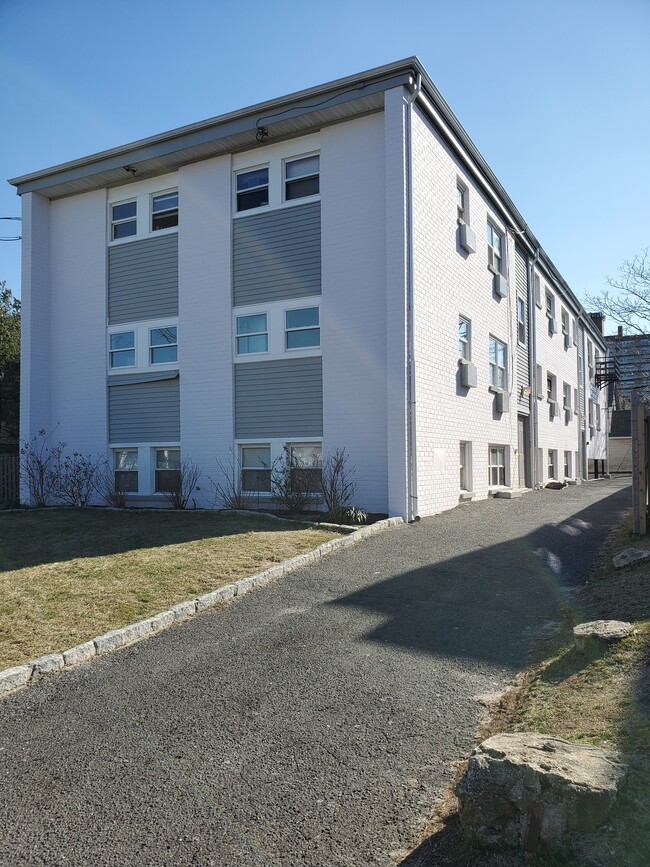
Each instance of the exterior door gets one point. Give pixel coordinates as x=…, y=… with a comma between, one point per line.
x=522, y=451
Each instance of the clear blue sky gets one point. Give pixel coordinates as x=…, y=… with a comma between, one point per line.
x=555, y=93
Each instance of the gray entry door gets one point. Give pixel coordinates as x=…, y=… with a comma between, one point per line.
x=522, y=451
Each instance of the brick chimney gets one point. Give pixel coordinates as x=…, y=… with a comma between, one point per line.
x=620, y=330
x=598, y=320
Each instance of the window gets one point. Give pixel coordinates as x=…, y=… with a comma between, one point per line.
x=521, y=321
x=575, y=333
x=465, y=466
x=497, y=466
x=591, y=413
x=567, y=465
x=565, y=322
x=168, y=470
x=126, y=470
x=464, y=338
x=550, y=305
x=122, y=349
x=597, y=416
x=301, y=178
x=256, y=469
x=252, y=189
x=164, y=211
x=538, y=290
x=498, y=364
x=462, y=202
x=495, y=249
x=302, y=328
x=163, y=345
x=575, y=401
x=566, y=396
x=252, y=334
x=306, y=467
x=552, y=464
x=551, y=387
x=123, y=220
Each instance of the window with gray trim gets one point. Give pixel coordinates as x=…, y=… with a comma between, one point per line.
x=521, y=321
x=498, y=364
x=464, y=338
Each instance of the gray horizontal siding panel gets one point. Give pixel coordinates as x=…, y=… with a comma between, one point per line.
x=145, y=412
x=279, y=398
x=143, y=279
x=277, y=255
x=523, y=366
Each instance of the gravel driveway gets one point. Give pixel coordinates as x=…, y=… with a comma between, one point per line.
x=312, y=722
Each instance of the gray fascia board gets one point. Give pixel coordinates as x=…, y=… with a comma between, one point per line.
x=237, y=122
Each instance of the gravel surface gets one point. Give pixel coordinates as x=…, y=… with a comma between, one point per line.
x=314, y=721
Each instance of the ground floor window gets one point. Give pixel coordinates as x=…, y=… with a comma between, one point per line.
x=126, y=470
x=306, y=466
x=552, y=464
x=567, y=465
x=168, y=470
x=256, y=468
x=465, y=466
x=497, y=466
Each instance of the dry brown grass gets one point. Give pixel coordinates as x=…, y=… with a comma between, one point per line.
x=67, y=575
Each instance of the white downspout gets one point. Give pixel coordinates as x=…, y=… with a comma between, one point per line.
x=411, y=433
x=532, y=366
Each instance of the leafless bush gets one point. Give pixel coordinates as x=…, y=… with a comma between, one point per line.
x=186, y=483
x=77, y=478
x=338, y=482
x=39, y=463
x=109, y=490
x=227, y=491
x=294, y=485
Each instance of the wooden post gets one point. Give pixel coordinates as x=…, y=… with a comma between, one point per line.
x=639, y=483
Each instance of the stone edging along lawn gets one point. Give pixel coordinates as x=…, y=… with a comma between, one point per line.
x=21, y=675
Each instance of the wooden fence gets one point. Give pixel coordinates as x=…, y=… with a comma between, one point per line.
x=9, y=478
x=640, y=462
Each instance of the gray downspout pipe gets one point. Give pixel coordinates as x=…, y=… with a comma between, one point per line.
x=411, y=451
x=532, y=366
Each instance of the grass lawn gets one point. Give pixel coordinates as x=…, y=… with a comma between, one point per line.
x=67, y=575
x=602, y=699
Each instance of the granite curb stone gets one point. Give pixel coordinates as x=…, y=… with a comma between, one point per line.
x=115, y=639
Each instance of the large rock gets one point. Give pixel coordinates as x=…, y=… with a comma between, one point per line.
x=629, y=555
x=598, y=632
x=534, y=791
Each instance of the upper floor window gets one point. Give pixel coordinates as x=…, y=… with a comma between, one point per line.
x=252, y=334
x=122, y=349
x=302, y=177
x=163, y=345
x=302, y=328
x=521, y=320
x=124, y=220
x=495, y=249
x=464, y=338
x=252, y=189
x=550, y=304
x=551, y=388
x=462, y=202
x=565, y=322
x=498, y=364
x=164, y=211
x=566, y=396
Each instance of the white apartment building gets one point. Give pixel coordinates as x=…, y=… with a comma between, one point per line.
x=337, y=268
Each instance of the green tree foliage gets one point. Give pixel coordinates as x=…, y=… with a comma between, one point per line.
x=9, y=364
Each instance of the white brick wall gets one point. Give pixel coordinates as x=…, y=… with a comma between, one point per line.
x=353, y=312
x=449, y=283
x=204, y=321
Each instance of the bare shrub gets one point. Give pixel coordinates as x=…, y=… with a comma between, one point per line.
x=109, y=490
x=187, y=477
x=227, y=491
x=78, y=478
x=39, y=462
x=338, y=482
x=295, y=485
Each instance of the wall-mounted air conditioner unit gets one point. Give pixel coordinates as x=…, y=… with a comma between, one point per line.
x=503, y=401
x=552, y=326
x=468, y=374
x=467, y=238
x=553, y=408
x=568, y=341
x=567, y=414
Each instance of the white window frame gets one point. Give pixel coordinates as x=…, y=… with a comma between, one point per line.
x=500, y=466
x=537, y=283
x=549, y=303
x=495, y=367
x=153, y=346
x=567, y=464
x=243, y=468
x=288, y=330
x=462, y=203
x=552, y=466
x=496, y=257
x=156, y=470
x=158, y=194
x=465, y=345
x=465, y=459
x=551, y=387
x=142, y=193
x=133, y=349
x=565, y=321
x=124, y=220
x=115, y=452
x=277, y=447
x=566, y=396
x=521, y=321
x=252, y=334
x=266, y=186
x=141, y=330
x=286, y=181
x=276, y=318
